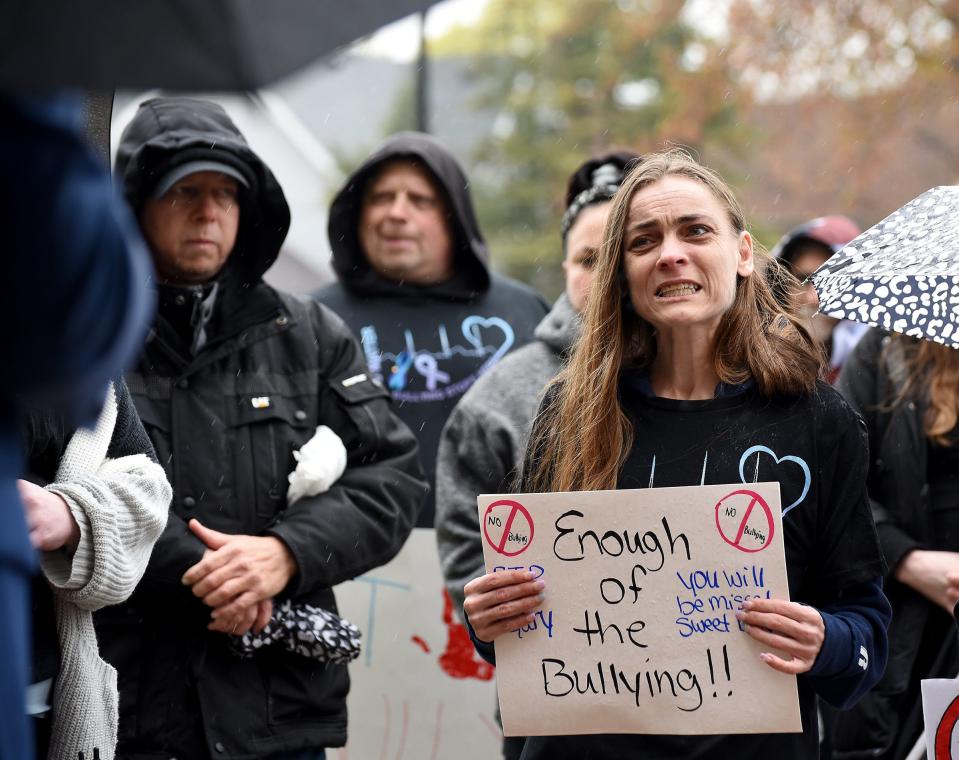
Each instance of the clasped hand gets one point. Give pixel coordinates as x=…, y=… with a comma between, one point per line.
x=934, y=574
x=238, y=577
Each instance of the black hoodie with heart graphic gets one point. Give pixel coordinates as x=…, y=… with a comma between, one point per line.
x=427, y=344
x=815, y=448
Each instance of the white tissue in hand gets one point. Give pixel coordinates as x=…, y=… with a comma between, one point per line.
x=320, y=462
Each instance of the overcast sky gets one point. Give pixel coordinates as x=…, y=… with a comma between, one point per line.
x=399, y=41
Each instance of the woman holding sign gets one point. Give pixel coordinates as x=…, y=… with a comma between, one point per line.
x=689, y=373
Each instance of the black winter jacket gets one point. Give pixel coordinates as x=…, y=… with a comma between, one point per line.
x=225, y=423
x=872, y=378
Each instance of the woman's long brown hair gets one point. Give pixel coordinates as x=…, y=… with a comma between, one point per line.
x=581, y=439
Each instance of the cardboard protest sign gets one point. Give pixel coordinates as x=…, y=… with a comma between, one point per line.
x=940, y=712
x=637, y=633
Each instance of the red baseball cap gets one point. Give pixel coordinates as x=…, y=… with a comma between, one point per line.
x=834, y=232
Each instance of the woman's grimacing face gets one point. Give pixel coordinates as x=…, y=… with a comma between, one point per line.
x=583, y=242
x=681, y=255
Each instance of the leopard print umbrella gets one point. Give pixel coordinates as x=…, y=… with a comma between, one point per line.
x=902, y=274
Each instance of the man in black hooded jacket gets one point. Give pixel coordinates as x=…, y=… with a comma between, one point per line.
x=234, y=378
x=415, y=286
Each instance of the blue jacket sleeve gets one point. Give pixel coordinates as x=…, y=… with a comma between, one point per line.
x=75, y=308
x=79, y=294
x=854, y=651
x=485, y=649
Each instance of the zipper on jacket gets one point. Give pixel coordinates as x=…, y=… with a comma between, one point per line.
x=274, y=468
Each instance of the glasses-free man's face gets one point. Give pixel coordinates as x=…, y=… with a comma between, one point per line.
x=192, y=229
x=403, y=228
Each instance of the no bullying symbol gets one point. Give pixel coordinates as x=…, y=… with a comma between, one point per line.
x=944, y=731
x=508, y=527
x=745, y=521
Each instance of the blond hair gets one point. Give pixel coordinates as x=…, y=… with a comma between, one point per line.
x=934, y=376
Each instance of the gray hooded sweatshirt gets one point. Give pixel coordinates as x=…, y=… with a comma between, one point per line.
x=482, y=445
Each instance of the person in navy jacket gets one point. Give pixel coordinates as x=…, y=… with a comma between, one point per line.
x=75, y=308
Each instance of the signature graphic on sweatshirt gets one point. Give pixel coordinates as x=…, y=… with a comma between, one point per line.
x=426, y=371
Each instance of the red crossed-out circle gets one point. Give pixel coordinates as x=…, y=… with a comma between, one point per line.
x=736, y=540
x=947, y=723
x=515, y=509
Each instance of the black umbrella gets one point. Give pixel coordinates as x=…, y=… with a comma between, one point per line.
x=178, y=44
x=903, y=273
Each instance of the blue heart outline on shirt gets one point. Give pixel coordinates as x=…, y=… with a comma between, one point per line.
x=779, y=460
x=471, y=327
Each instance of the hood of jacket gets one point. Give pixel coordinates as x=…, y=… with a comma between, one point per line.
x=168, y=132
x=561, y=327
x=470, y=255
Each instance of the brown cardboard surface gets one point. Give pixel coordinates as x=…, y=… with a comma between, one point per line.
x=637, y=632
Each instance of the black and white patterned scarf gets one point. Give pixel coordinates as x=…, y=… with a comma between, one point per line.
x=304, y=630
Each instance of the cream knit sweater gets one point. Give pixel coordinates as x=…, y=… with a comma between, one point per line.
x=121, y=508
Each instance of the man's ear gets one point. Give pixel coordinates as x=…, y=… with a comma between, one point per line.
x=745, y=263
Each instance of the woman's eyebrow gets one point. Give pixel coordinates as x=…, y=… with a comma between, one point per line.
x=697, y=217
x=645, y=224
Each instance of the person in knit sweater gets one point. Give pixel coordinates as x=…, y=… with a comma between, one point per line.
x=78, y=306
x=95, y=503
x=482, y=444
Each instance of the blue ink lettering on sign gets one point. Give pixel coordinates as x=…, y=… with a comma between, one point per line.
x=699, y=580
x=536, y=570
x=545, y=620
x=708, y=612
